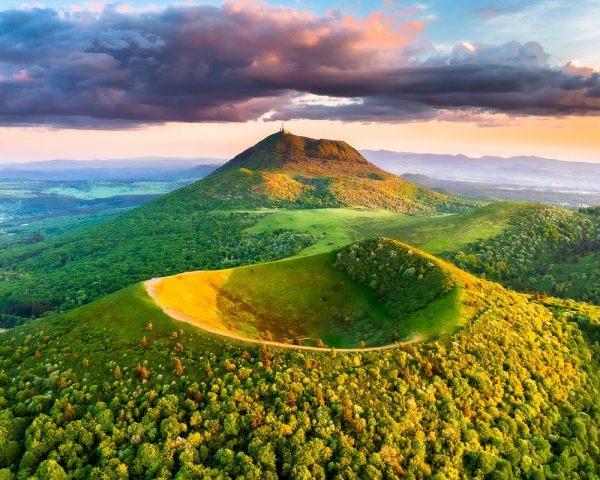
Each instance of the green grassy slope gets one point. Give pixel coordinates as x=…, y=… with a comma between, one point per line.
x=112, y=329
x=334, y=228
x=331, y=227
x=523, y=245
x=84, y=395
x=130, y=309
x=377, y=291
x=452, y=232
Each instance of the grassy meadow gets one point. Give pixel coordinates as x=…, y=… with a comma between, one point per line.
x=336, y=227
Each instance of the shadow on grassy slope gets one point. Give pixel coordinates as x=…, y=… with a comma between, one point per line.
x=314, y=298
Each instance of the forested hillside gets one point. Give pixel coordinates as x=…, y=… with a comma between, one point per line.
x=545, y=249
x=86, y=264
x=116, y=389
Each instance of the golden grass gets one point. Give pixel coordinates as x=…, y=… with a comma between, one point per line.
x=195, y=295
x=307, y=298
x=302, y=298
x=280, y=186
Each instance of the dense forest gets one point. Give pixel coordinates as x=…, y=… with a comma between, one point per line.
x=404, y=281
x=115, y=389
x=591, y=210
x=86, y=264
x=535, y=252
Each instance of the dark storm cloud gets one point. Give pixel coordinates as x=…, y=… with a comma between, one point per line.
x=239, y=62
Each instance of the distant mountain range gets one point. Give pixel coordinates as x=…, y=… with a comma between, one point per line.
x=526, y=170
x=127, y=169
x=531, y=171
x=564, y=197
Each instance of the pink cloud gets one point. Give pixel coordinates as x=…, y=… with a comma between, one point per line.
x=21, y=76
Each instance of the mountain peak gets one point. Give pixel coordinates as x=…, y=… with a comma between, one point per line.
x=286, y=150
x=287, y=170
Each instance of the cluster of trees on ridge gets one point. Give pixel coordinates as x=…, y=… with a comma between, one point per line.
x=591, y=210
x=405, y=281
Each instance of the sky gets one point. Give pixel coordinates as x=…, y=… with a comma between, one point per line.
x=87, y=79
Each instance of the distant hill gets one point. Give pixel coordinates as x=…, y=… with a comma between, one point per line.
x=285, y=170
x=560, y=197
x=522, y=170
x=126, y=169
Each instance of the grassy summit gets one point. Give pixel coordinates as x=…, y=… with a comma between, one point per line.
x=378, y=291
x=285, y=170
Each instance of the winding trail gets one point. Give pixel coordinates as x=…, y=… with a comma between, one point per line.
x=149, y=284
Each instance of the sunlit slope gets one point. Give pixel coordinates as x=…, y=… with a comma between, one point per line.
x=337, y=227
x=96, y=391
x=290, y=171
x=377, y=291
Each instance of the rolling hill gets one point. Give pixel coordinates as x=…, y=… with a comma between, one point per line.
x=85, y=264
x=197, y=228
x=377, y=291
x=522, y=170
x=200, y=226
x=525, y=246
x=119, y=389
